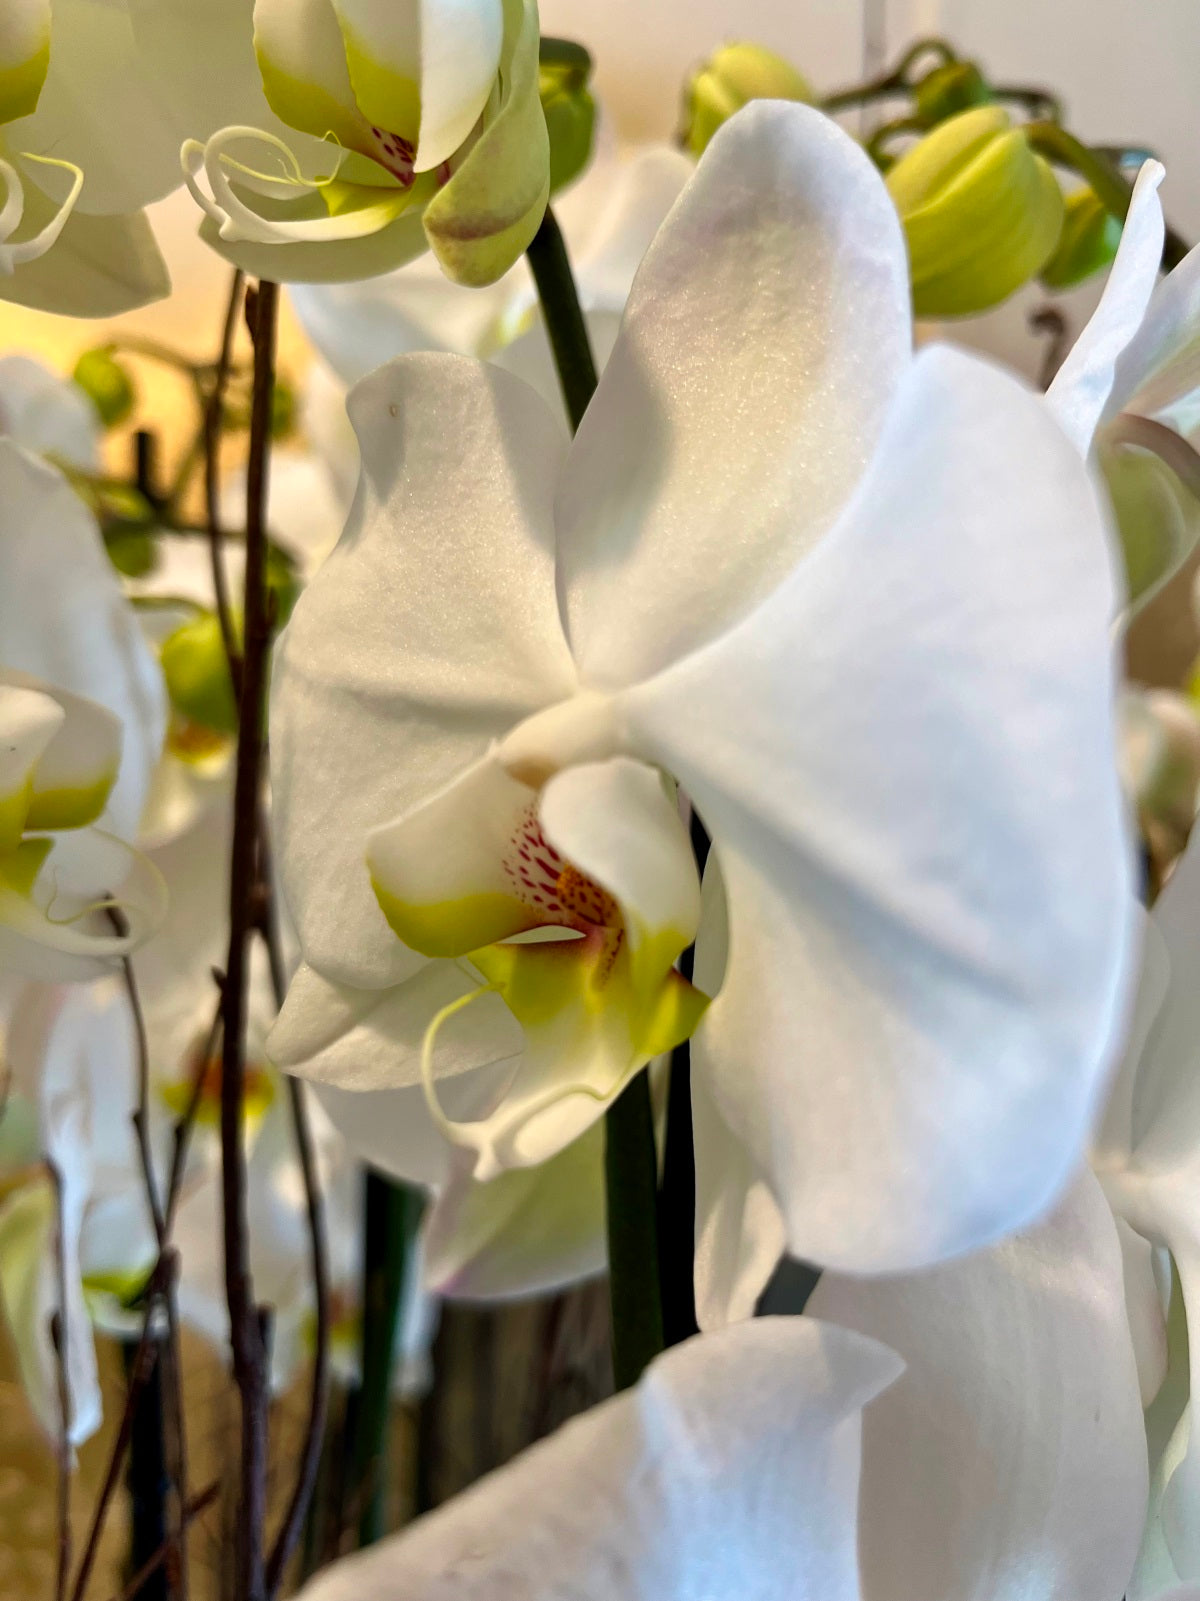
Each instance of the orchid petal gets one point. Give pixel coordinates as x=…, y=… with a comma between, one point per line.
x=300, y=54
x=63, y=618
x=1154, y=1188
x=1091, y=384
x=913, y=1061
x=98, y=267
x=24, y=56
x=52, y=927
x=636, y=197
x=429, y=67
x=492, y=204
x=358, y=326
x=731, y=1470
x=1009, y=1458
x=528, y=1232
x=75, y=770
x=427, y=633
x=366, y=1039
x=391, y=1129
x=29, y=721
x=722, y=411
x=204, y=57
x=47, y=414
x=102, y=109
x=40, y=1222
x=1159, y=368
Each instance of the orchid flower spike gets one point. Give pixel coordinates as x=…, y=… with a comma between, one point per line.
x=335, y=139
x=1129, y=395
x=794, y=1456
x=86, y=140
x=81, y=715
x=857, y=605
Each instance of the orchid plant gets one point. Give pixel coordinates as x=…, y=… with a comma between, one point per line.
x=638, y=783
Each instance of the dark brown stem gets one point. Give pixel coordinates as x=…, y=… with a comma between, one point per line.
x=63, y=1445
x=142, y=1366
x=172, y=1360
x=246, y=1335
x=318, y=1408
x=214, y=413
x=198, y=1504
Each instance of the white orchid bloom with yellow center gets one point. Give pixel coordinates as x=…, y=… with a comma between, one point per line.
x=86, y=140
x=857, y=604
x=795, y=1456
x=335, y=139
x=81, y=714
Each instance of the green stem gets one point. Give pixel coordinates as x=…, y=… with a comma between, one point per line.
x=631, y=1186
x=391, y=1213
x=1111, y=189
x=630, y=1160
x=564, y=317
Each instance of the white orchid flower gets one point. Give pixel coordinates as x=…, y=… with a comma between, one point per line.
x=984, y=1440
x=608, y=220
x=48, y=414
x=800, y=573
x=334, y=139
x=41, y=1216
x=81, y=711
x=86, y=141
x=1129, y=392
x=1148, y=1156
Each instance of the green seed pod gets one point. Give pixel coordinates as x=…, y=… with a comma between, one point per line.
x=197, y=673
x=106, y=384
x=1089, y=241
x=736, y=74
x=982, y=213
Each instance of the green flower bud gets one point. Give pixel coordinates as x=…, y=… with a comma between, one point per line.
x=956, y=86
x=106, y=384
x=737, y=73
x=283, y=410
x=982, y=213
x=197, y=673
x=283, y=582
x=1089, y=241
x=132, y=551
x=563, y=73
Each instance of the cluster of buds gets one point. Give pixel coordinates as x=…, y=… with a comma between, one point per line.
x=976, y=188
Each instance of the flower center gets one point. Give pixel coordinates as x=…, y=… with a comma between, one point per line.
x=544, y=881
x=395, y=153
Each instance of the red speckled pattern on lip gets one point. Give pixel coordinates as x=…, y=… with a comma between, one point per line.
x=395, y=153
x=544, y=881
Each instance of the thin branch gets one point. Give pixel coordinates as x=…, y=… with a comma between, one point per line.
x=198, y=1504
x=214, y=414
x=141, y=1368
x=314, y=1434
x=59, y=1334
x=246, y=1338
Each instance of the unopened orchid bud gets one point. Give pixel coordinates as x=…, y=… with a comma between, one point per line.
x=196, y=670
x=1089, y=241
x=949, y=89
x=563, y=73
x=107, y=385
x=982, y=212
x=736, y=74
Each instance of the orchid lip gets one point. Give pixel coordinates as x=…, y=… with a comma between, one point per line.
x=15, y=253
